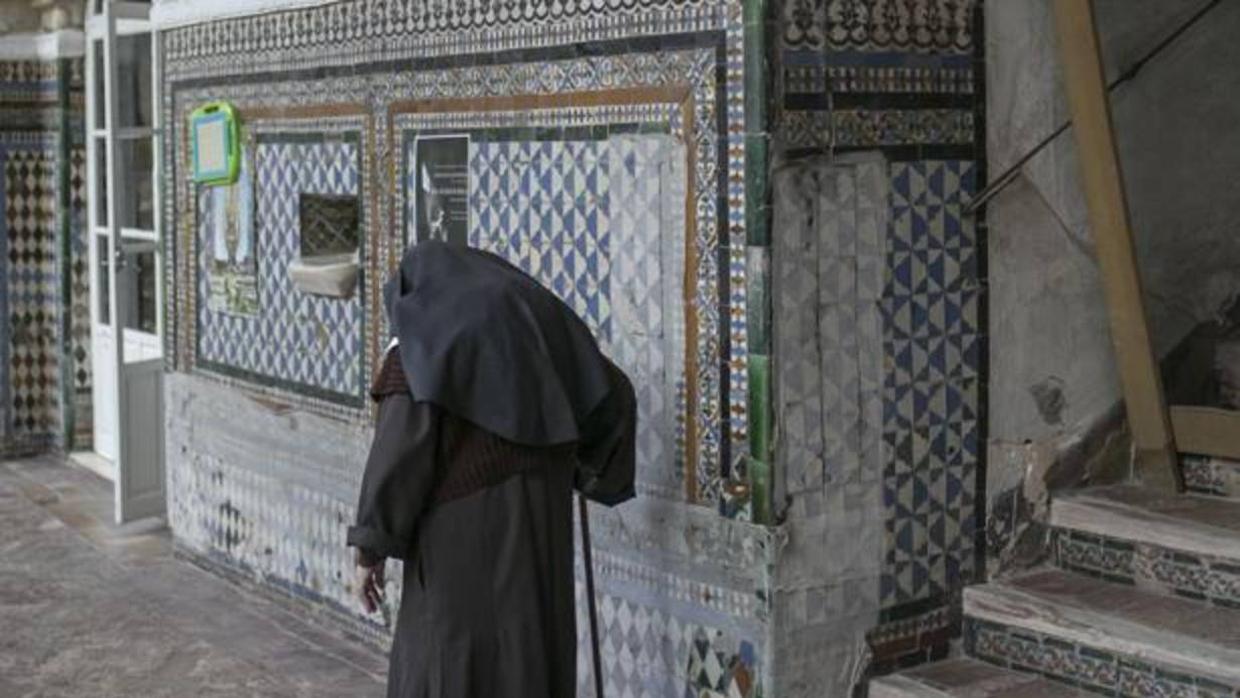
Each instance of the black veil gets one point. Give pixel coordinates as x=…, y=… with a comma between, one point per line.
x=486, y=342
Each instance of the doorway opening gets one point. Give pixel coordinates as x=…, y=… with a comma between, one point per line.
x=126, y=265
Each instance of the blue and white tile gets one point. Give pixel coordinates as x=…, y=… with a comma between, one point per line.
x=932, y=341
x=647, y=226
x=299, y=339
x=544, y=207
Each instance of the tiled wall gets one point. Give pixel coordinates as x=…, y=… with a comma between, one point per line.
x=40, y=158
x=880, y=118
x=295, y=340
x=607, y=153
x=80, y=368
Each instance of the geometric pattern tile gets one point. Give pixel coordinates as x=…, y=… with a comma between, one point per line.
x=601, y=223
x=5, y=348
x=650, y=652
x=33, y=293
x=79, y=328
x=829, y=276
x=543, y=206
x=298, y=339
x=647, y=298
x=270, y=525
x=716, y=304
x=416, y=31
x=931, y=348
x=797, y=344
x=712, y=420
x=716, y=673
x=79, y=267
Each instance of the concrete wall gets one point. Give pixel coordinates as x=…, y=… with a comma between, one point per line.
x=604, y=150
x=1054, y=388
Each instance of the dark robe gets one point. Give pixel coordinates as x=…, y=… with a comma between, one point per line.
x=485, y=527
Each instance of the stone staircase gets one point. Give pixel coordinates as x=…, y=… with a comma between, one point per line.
x=1141, y=598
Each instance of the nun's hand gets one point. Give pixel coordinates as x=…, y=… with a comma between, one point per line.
x=370, y=586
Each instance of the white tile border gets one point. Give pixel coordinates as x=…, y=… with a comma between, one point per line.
x=179, y=13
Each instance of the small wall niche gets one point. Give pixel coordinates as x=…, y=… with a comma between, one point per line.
x=330, y=228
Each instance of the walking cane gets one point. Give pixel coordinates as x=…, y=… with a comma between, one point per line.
x=585, y=557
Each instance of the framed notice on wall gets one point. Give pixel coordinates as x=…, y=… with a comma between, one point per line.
x=216, y=137
x=441, y=189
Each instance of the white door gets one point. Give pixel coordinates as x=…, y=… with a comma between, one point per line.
x=123, y=160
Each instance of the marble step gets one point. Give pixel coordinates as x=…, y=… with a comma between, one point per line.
x=1105, y=637
x=1215, y=476
x=1187, y=545
x=968, y=678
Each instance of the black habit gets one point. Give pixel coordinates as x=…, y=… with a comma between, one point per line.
x=484, y=522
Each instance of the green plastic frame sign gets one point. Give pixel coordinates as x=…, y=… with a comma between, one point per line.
x=216, y=136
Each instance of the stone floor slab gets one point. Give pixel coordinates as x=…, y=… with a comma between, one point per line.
x=92, y=609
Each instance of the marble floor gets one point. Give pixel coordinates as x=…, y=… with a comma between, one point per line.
x=88, y=608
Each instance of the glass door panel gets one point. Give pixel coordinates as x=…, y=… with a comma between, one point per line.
x=100, y=120
x=133, y=88
x=99, y=150
x=136, y=207
x=102, y=281
x=139, y=289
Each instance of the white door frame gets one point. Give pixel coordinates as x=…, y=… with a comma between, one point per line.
x=127, y=388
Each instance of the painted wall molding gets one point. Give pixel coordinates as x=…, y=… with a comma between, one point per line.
x=46, y=46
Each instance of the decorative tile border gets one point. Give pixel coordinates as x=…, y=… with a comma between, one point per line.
x=815, y=74
x=871, y=128
x=922, y=637
x=1213, y=476
x=45, y=72
x=367, y=31
x=1091, y=668
x=910, y=26
x=674, y=588
x=903, y=76
x=1205, y=578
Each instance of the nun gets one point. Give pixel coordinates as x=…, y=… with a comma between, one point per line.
x=494, y=404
